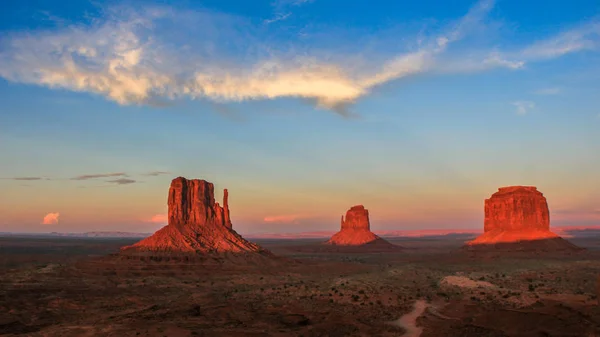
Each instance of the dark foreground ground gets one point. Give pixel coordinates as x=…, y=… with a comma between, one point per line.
x=63, y=287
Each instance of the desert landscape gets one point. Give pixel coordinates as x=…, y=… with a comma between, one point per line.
x=198, y=277
x=299, y=168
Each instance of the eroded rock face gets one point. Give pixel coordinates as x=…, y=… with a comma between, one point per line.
x=517, y=208
x=357, y=218
x=355, y=228
x=517, y=214
x=197, y=224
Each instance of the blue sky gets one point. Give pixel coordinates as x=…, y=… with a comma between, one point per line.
x=301, y=109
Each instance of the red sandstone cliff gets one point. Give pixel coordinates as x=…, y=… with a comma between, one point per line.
x=517, y=214
x=196, y=224
x=355, y=229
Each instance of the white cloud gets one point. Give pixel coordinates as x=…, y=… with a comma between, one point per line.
x=583, y=37
x=278, y=17
x=548, y=91
x=131, y=58
x=523, y=107
x=50, y=219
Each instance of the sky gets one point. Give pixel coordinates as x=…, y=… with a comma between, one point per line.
x=300, y=108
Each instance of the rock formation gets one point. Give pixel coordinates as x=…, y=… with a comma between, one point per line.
x=518, y=214
x=196, y=224
x=355, y=229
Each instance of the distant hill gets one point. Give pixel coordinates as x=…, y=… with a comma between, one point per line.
x=83, y=235
x=564, y=231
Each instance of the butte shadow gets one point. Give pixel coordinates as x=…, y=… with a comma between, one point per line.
x=517, y=219
x=198, y=229
x=355, y=236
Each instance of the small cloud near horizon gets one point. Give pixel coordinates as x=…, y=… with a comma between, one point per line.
x=99, y=175
x=523, y=107
x=50, y=219
x=158, y=218
x=122, y=181
x=286, y=219
x=156, y=173
x=25, y=178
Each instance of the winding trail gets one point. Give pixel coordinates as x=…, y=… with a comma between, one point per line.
x=409, y=321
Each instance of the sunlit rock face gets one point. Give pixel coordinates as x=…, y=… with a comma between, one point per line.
x=517, y=208
x=197, y=224
x=518, y=214
x=355, y=229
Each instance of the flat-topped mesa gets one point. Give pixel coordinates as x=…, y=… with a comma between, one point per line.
x=355, y=229
x=517, y=208
x=197, y=224
x=519, y=214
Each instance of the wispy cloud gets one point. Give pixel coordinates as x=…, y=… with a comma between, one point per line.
x=285, y=219
x=50, y=218
x=156, y=173
x=282, y=9
x=523, y=107
x=26, y=178
x=122, y=181
x=277, y=17
x=99, y=175
x=548, y=91
x=135, y=56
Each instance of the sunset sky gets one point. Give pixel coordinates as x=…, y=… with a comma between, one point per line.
x=418, y=110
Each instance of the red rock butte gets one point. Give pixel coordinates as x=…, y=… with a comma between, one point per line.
x=517, y=214
x=355, y=229
x=196, y=224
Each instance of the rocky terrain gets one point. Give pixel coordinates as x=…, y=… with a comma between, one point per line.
x=326, y=294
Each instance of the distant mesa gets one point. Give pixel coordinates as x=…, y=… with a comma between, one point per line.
x=196, y=225
x=356, y=230
x=517, y=217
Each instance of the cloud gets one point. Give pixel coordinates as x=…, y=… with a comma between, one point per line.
x=50, y=219
x=156, y=173
x=100, y=175
x=523, y=107
x=122, y=181
x=278, y=17
x=285, y=219
x=26, y=178
x=158, y=54
x=158, y=218
x=282, y=9
x=548, y=91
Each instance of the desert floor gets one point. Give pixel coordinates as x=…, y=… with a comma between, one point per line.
x=69, y=287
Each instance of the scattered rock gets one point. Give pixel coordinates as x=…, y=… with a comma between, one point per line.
x=292, y=320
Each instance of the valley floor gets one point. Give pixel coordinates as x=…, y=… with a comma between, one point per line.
x=64, y=287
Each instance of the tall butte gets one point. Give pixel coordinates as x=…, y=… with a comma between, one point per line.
x=196, y=224
x=355, y=229
x=518, y=216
